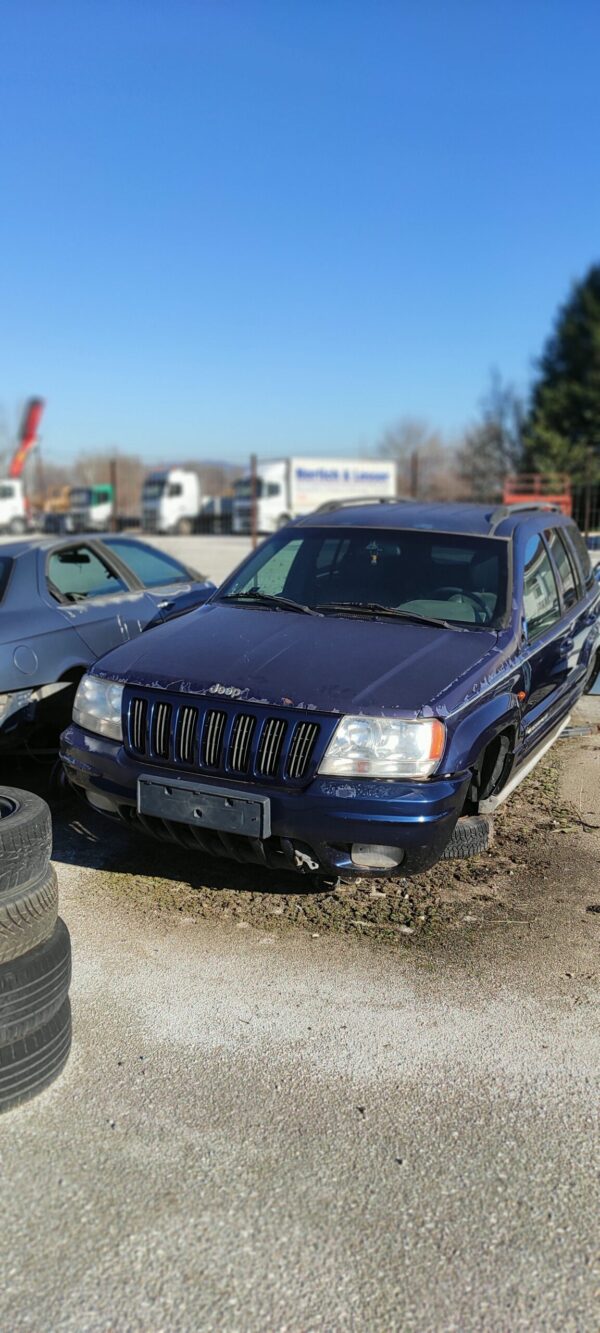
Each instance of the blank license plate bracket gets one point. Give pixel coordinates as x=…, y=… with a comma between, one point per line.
x=205, y=806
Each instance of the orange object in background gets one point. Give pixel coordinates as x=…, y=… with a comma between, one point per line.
x=27, y=436
x=531, y=486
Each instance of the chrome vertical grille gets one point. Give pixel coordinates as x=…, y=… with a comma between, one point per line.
x=212, y=738
x=161, y=729
x=241, y=740
x=137, y=724
x=186, y=737
x=301, y=748
x=269, y=748
x=231, y=740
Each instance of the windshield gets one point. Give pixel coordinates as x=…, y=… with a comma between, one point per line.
x=154, y=489
x=433, y=575
x=264, y=489
x=81, y=498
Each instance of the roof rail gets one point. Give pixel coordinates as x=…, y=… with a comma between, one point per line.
x=330, y=505
x=498, y=515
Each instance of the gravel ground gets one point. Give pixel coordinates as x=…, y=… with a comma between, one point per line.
x=286, y=1112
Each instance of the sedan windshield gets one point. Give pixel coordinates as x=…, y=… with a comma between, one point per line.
x=429, y=576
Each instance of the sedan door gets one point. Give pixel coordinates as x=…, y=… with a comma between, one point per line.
x=172, y=586
x=93, y=594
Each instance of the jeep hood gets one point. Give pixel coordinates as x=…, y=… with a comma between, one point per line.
x=333, y=664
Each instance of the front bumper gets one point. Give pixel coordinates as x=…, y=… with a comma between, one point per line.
x=311, y=829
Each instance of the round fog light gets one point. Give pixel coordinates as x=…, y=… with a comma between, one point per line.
x=372, y=856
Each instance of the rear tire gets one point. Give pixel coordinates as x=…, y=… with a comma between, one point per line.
x=35, y=986
x=25, y=838
x=29, y=1065
x=28, y=917
x=472, y=834
x=17, y=527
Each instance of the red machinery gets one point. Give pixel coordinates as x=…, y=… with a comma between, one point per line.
x=531, y=486
x=27, y=436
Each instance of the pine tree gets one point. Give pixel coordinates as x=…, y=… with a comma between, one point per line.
x=562, y=433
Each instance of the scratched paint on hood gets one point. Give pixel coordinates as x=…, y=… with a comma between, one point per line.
x=338, y=664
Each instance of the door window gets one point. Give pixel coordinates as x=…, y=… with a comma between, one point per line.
x=575, y=540
x=77, y=572
x=540, y=593
x=152, y=568
x=563, y=564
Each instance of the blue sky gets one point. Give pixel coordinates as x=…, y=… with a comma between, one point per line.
x=239, y=225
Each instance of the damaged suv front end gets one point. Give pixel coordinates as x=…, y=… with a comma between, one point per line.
x=337, y=705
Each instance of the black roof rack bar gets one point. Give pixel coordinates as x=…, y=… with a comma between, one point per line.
x=330, y=505
x=498, y=515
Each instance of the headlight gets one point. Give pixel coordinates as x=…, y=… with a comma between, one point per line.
x=382, y=747
x=97, y=707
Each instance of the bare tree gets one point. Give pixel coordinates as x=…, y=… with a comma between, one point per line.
x=493, y=447
x=426, y=463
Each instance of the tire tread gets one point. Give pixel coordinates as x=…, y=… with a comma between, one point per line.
x=29, y=917
x=34, y=986
x=30, y=1064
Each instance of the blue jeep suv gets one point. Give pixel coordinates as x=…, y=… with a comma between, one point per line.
x=366, y=678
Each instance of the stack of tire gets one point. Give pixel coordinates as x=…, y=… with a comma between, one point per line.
x=35, y=952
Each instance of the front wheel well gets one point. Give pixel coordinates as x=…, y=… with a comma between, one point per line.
x=490, y=770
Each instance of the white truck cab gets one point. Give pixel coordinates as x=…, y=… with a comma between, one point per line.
x=171, y=501
x=13, y=514
x=287, y=488
x=90, y=508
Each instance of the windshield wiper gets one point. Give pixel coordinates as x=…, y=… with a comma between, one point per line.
x=269, y=599
x=376, y=609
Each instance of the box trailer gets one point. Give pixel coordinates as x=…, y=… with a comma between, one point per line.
x=287, y=488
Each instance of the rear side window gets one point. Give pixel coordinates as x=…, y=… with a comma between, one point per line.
x=77, y=572
x=577, y=543
x=5, y=568
x=540, y=593
x=562, y=561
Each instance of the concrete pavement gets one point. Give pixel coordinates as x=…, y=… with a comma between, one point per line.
x=280, y=1131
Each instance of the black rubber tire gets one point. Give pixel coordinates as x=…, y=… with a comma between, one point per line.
x=29, y=1065
x=28, y=917
x=34, y=986
x=25, y=838
x=472, y=834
